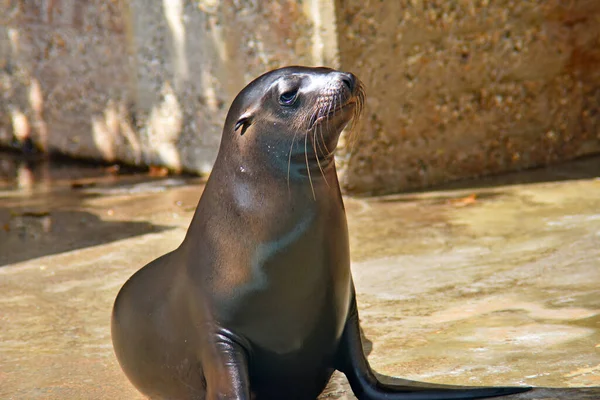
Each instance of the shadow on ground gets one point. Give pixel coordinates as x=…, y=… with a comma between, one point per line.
x=31, y=234
x=583, y=168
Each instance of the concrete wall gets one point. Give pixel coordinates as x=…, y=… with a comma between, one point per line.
x=456, y=88
x=65, y=75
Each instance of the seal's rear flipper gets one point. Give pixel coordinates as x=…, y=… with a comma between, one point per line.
x=351, y=360
x=385, y=392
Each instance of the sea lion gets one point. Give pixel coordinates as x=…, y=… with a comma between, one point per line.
x=258, y=301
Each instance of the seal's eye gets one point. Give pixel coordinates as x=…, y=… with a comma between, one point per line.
x=288, y=97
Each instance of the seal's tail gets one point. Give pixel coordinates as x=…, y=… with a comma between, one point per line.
x=351, y=360
x=367, y=387
x=379, y=391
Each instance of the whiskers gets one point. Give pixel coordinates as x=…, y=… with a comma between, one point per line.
x=308, y=167
x=316, y=144
x=317, y=123
x=290, y=158
x=361, y=96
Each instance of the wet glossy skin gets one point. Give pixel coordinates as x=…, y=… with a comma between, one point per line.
x=258, y=299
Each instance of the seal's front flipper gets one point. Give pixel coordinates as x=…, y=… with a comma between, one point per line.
x=225, y=366
x=351, y=360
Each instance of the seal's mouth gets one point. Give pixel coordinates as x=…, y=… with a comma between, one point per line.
x=339, y=102
x=318, y=118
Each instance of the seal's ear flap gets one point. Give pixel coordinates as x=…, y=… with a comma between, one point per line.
x=244, y=122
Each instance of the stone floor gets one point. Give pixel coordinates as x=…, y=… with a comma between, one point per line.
x=490, y=282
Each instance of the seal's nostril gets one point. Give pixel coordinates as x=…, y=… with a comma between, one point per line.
x=348, y=80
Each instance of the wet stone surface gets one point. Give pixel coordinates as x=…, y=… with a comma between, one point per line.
x=493, y=282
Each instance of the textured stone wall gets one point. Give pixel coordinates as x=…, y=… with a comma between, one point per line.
x=456, y=88
x=461, y=88
x=144, y=82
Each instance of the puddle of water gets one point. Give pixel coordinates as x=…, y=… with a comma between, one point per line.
x=18, y=172
x=51, y=206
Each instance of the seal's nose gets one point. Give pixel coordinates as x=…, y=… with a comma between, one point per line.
x=349, y=80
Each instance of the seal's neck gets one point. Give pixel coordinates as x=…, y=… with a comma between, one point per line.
x=277, y=163
x=275, y=175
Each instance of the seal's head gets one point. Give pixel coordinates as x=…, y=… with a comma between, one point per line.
x=292, y=115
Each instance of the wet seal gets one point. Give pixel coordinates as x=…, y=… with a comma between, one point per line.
x=258, y=301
